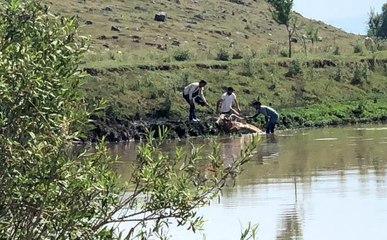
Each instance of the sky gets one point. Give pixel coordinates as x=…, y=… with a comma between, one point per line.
x=349, y=15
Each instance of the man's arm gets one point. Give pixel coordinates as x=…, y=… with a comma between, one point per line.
x=202, y=96
x=190, y=93
x=218, y=105
x=254, y=116
x=237, y=105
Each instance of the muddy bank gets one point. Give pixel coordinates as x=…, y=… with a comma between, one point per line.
x=118, y=130
x=115, y=130
x=318, y=115
x=127, y=130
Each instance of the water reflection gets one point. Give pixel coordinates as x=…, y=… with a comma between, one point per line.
x=290, y=225
x=311, y=184
x=268, y=148
x=231, y=148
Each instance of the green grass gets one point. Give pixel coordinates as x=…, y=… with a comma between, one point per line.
x=204, y=29
x=324, y=114
x=136, y=93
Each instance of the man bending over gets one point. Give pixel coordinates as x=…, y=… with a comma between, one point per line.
x=271, y=115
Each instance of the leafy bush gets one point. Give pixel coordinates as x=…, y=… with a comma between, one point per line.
x=358, y=48
x=339, y=74
x=360, y=74
x=248, y=68
x=47, y=190
x=183, y=81
x=359, y=110
x=283, y=53
x=294, y=69
x=337, y=51
x=373, y=63
x=180, y=184
x=223, y=55
x=381, y=45
x=51, y=191
x=181, y=55
x=237, y=55
x=357, y=78
x=273, y=49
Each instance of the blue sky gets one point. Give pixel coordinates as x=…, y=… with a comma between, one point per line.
x=349, y=15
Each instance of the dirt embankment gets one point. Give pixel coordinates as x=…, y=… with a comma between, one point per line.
x=116, y=130
x=125, y=130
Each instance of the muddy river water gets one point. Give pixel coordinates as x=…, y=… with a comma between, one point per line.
x=314, y=184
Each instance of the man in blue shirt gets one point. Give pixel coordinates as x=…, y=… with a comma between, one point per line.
x=271, y=115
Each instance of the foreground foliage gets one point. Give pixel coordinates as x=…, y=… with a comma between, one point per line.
x=46, y=192
x=50, y=191
x=168, y=189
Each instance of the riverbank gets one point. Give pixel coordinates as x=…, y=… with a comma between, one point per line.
x=135, y=94
x=334, y=114
x=119, y=130
x=307, y=92
x=309, y=116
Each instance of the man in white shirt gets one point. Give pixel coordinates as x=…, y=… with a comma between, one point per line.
x=226, y=101
x=194, y=93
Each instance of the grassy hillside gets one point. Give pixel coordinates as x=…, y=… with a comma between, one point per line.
x=141, y=71
x=201, y=27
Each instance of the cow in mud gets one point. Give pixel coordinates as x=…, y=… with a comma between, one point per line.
x=230, y=123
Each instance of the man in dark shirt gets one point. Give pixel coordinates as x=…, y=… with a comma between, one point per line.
x=271, y=115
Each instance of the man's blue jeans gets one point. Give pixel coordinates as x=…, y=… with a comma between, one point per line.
x=271, y=125
x=192, y=110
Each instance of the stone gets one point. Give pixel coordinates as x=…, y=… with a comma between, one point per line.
x=176, y=42
x=293, y=40
x=136, y=39
x=116, y=29
x=109, y=9
x=160, y=17
x=102, y=37
x=242, y=2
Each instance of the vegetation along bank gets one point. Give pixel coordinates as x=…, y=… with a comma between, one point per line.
x=142, y=54
x=307, y=93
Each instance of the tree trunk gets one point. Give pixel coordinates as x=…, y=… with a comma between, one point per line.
x=290, y=46
x=305, y=47
x=289, y=39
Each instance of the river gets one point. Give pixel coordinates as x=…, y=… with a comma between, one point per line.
x=313, y=184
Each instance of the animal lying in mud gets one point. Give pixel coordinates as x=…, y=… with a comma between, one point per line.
x=231, y=123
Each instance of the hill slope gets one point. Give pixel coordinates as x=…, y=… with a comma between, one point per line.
x=200, y=26
x=142, y=80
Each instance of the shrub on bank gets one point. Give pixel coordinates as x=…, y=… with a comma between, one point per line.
x=222, y=55
x=182, y=55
